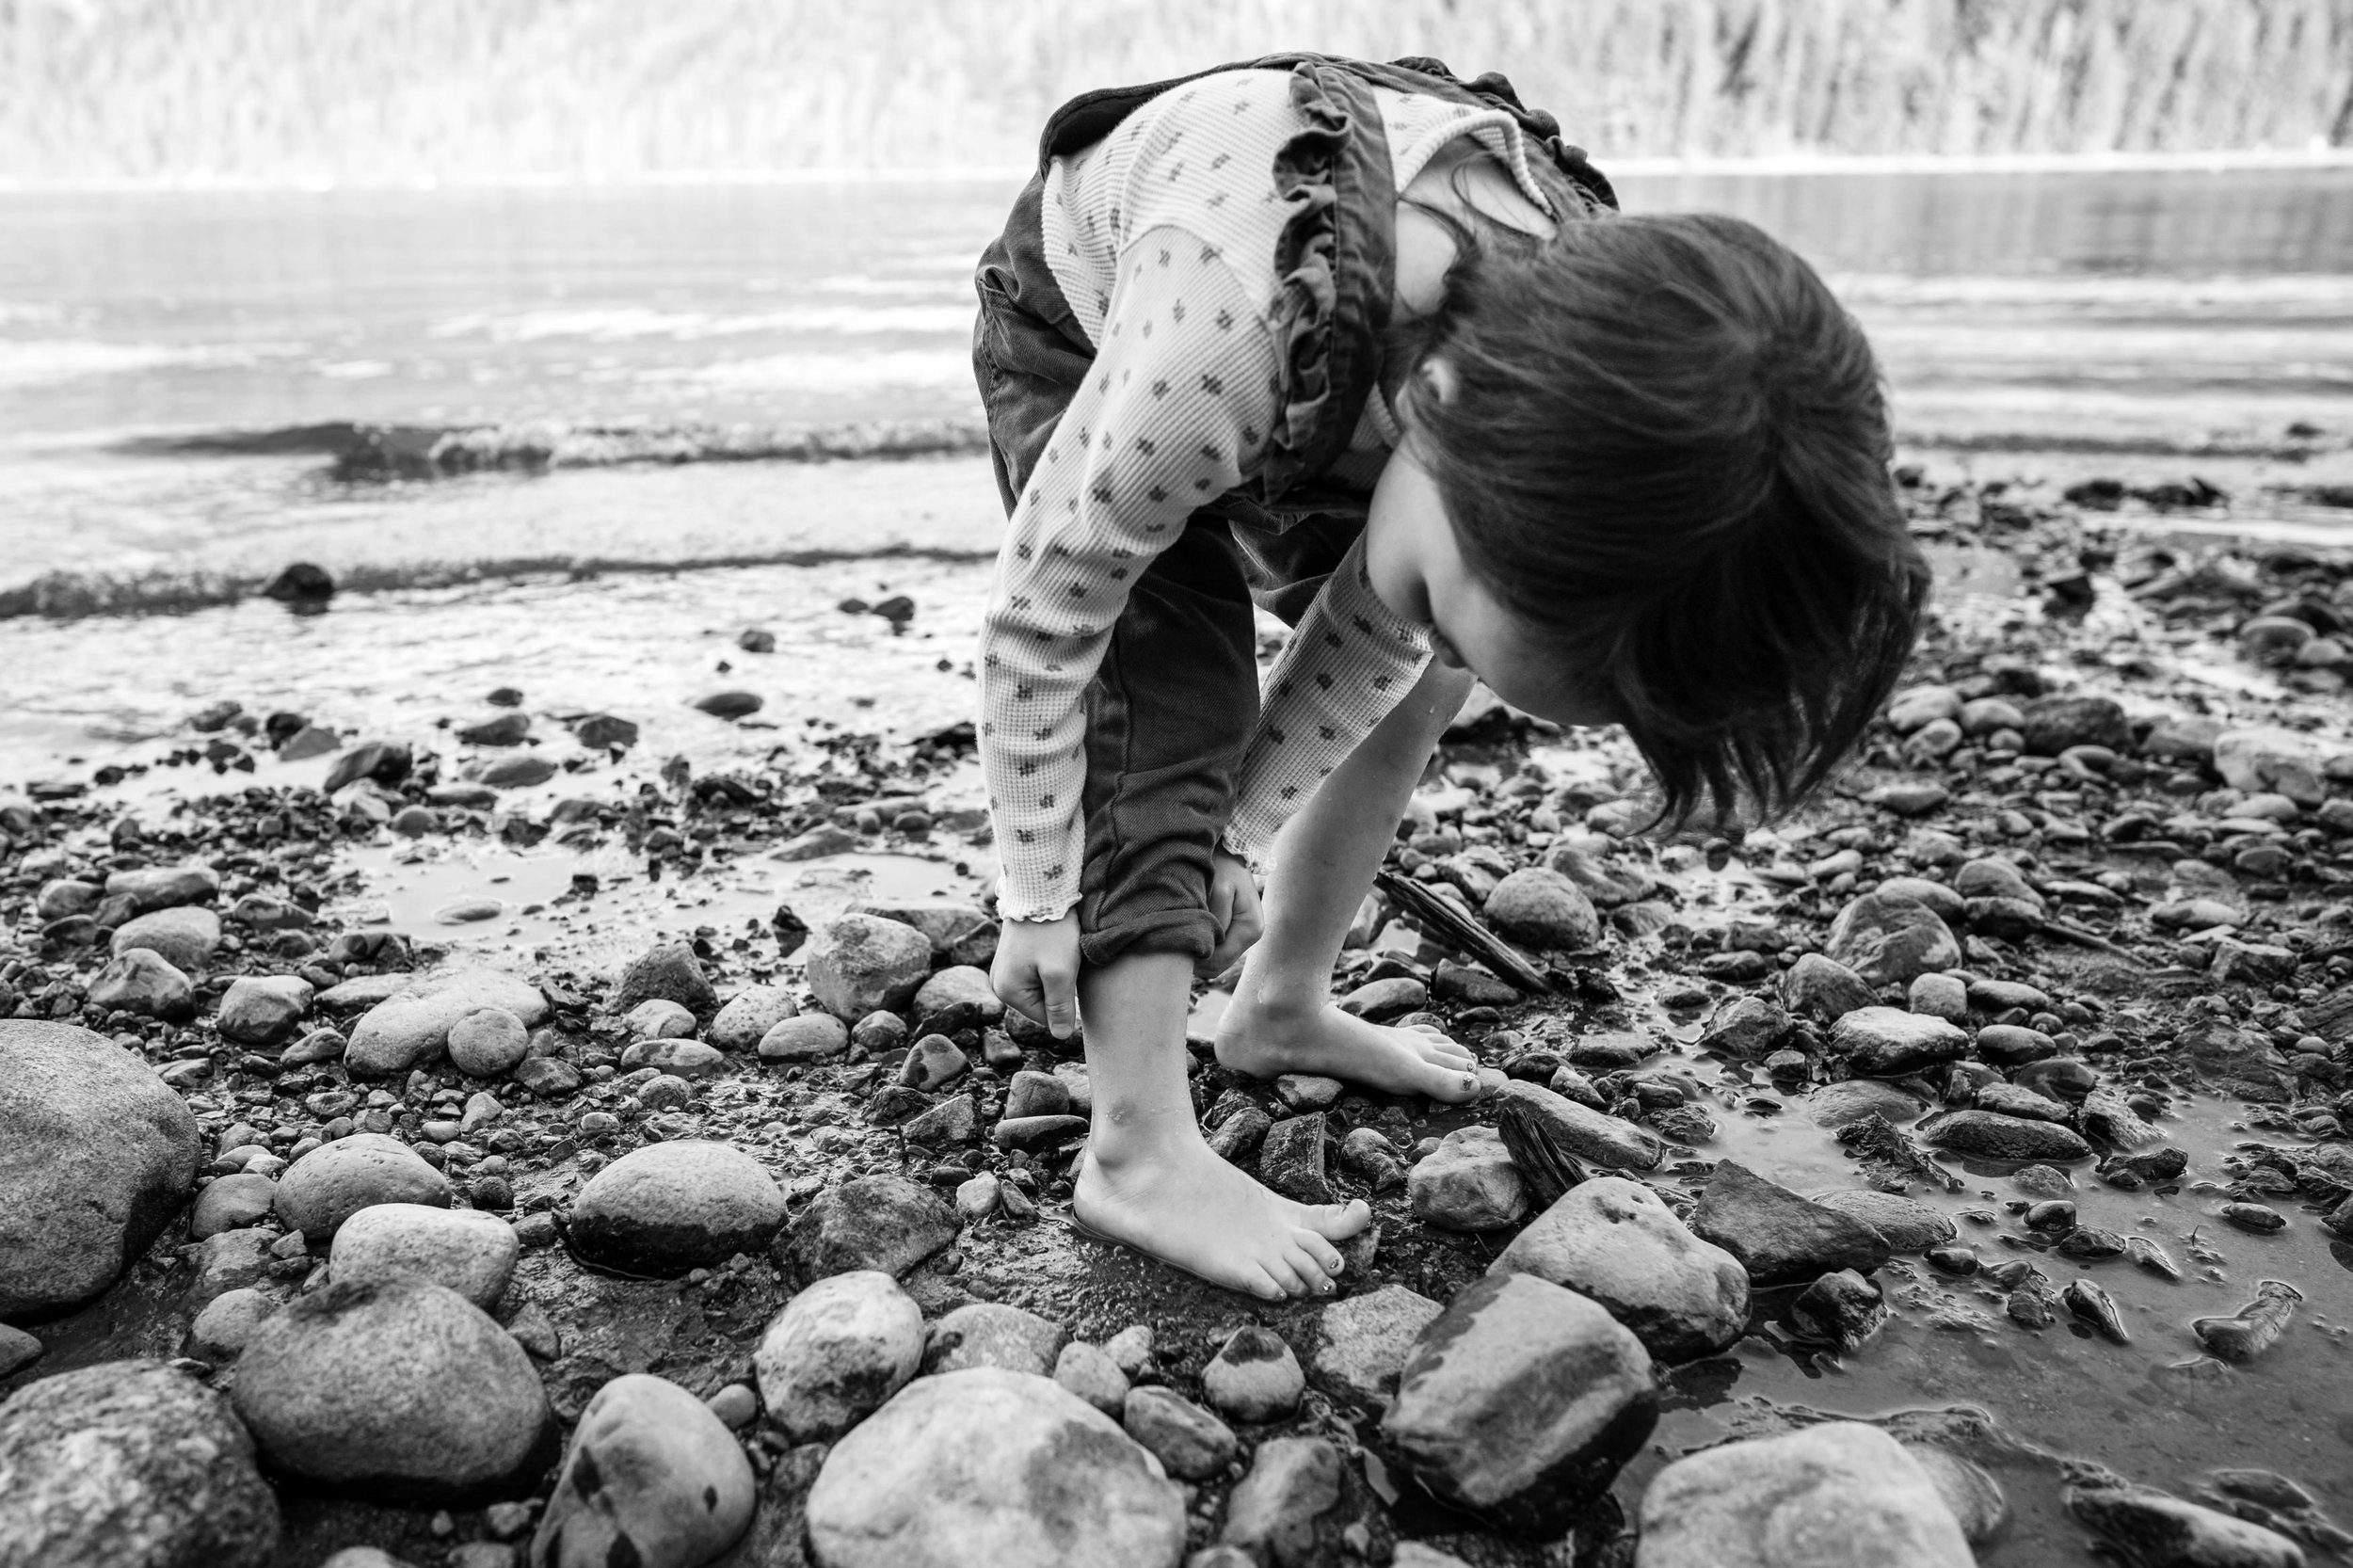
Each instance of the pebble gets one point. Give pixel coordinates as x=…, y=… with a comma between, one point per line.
x=1616, y=1241
x=232, y=1203
x=884, y=1222
x=684, y=1057
x=411, y=1027
x=991, y=1333
x=737, y=1405
x=184, y=937
x=1253, y=1377
x=668, y=1208
x=1765, y=1502
x=1543, y=909
x=327, y=1186
x=1939, y=996
x=96, y=1156
x=748, y=1015
x=809, y=1037
x=1130, y=1350
x=668, y=971
x=1291, y=1159
x=987, y=1468
x=151, y=887
x=860, y=964
x=228, y=1320
x=1778, y=1237
x=959, y=997
x=469, y=1252
x=1841, y=1310
x=488, y=1042
x=1363, y=1341
x=1823, y=989
x=18, y=1350
x=1468, y=1183
x=394, y=1387
x=1890, y=940
x=652, y=1478
x=144, y=982
x=1520, y=1402
x=1889, y=1042
x=1386, y=998
x=1088, y=1371
x=262, y=1011
x=1989, y=1135
x=130, y=1465
x=1284, y=1509
x=659, y=1019
x=1836, y=1105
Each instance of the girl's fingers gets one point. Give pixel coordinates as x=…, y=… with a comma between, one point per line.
x=1060, y=992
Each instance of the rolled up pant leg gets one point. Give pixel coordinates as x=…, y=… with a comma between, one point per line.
x=1169, y=715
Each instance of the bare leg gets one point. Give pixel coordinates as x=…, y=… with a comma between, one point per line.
x=1282, y=1019
x=1149, y=1180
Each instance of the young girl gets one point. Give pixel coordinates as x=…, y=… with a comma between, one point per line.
x=1369, y=346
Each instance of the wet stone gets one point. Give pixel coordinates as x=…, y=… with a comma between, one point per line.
x=1888, y=1042
x=1618, y=1242
x=1291, y=1156
x=1906, y=1224
x=1282, y=1509
x=1841, y=1310
x=1189, y=1442
x=1253, y=1377
x=990, y=1333
x=860, y=963
x=1823, y=989
x=877, y=1222
x=1366, y=1339
x=837, y=1351
x=1777, y=1235
x=184, y=937
x=668, y=971
x=810, y=1037
x=1890, y=940
x=669, y=1207
x=232, y=1203
x=2157, y=1527
x=1989, y=1135
x=1468, y=1183
x=1543, y=909
x=1755, y=1504
x=466, y=1250
x=323, y=1189
x=651, y=1478
x=748, y=1015
x=1088, y=1371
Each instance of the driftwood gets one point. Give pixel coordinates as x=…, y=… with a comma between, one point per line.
x=1872, y=1137
x=1546, y=1169
x=1450, y=924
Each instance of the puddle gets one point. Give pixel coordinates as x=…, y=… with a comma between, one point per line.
x=532, y=908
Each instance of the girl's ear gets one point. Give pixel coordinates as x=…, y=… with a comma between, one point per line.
x=1438, y=373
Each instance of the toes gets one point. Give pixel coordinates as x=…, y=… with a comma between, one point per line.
x=1338, y=1222
x=1327, y=1257
x=1450, y=1084
x=1309, y=1269
x=1261, y=1283
x=1281, y=1269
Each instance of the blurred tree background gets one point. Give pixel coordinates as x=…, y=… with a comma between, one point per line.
x=397, y=89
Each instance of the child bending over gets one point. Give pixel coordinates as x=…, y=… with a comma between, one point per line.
x=1369, y=347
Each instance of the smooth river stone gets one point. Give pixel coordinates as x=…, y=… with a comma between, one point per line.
x=670, y=1207
x=652, y=1479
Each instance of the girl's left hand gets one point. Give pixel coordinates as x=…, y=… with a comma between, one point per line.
x=1234, y=905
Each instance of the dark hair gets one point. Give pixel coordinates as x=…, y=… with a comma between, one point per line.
x=1667, y=452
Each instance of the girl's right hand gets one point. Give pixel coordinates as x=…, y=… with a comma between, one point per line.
x=1036, y=972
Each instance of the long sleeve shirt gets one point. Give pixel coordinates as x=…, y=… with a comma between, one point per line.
x=1163, y=239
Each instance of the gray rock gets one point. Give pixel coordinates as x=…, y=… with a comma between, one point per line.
x=1990, y=1135
x=1841, y=1310
x=1889, y=1042
x=464, y=1248
x=988, y=1469
x=1616, y=1241
x=1939, y=996
x=659, y=1019
x=1888, y=940
x=837, y=1351
x=652, y=1478
x=952, y=927
x=882, y=1222
x=1468, y=1183
x=1548, y=1133
x=990, y=1333
x=1284, y=1509
x=334, y=1181
x=1366, y=1339
x=262, y=1011
x=749, y=1015
x=1778, y=1237
x=1834, y=1105
x=96, y=1156
x=1839, y=1492
x=151, y=887
x=1290, y=1160
x=958, y=987
x=2163, y=1531
x=64, y=896
x=411, y=1027
x=221, y=1331
x=669, y=1207
x=142, y=980
x=130, y=1465
x=1386, y=998
x=1254, y=1376
x=1521, y=1402
x=183, y=936
x=1543, y=909
x=1189, y=1442
x=1988, y=878
x=487, y=1042
x=1033, y=1094
x=681, y=1058
x=229, y=1261
x=18, y=1350
x=1746, y=1026
x=668, y=973
x=810, y=1037
x=395, y=1388
x=1088, y=1371
x=1610, y=887
x=232, y=1203
x=860, y=963
x=1949, y=906
x=1906, y=1224
x=1974, y=1497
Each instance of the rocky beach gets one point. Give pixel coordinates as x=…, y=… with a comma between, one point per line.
x=551, y=1135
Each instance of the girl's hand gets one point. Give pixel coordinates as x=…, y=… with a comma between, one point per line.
x=1234, y=905
x=1036, y=972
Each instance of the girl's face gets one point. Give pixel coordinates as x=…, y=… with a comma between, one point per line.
x=1417, y=569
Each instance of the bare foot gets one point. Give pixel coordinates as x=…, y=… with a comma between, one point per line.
x=1178, y=1201
x=1418, y=1060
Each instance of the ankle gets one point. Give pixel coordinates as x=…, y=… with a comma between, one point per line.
x=1280, y=1003
x=1119, y=1141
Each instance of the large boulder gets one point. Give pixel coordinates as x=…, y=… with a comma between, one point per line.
x=1615, y=1241
x=1521, y=1402
x=1889, y=939
x=884, y=1222
x=861, y=964
x=411, y=1027
x=652, y=1478
x=130, y=1465
x=334, y=1181
x=1780, y=1238
x=96, y=1155
x=669, y=1207
x=837, y=1351
x=398, y=1387
x=1841, y=1493
x=183, y=936
x=988, y=1469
